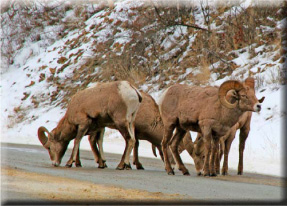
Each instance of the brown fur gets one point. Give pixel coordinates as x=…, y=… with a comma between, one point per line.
x=225, y=143
x=199, y=109
x=149, y=127
x=88, y=112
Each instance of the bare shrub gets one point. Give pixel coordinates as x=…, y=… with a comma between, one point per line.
x=203, y=77
x=260, y=82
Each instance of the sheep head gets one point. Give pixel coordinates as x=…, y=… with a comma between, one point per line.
x=198, y=154
x=244, y=93
x=55, y=147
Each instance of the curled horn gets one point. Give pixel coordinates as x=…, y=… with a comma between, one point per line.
x=224, y=88
x=42, y=136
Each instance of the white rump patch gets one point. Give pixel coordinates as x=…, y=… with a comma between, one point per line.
x=130, y=98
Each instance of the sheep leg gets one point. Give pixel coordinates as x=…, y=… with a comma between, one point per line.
x=217, y=160
x=127, y=132
x=227, y=146
x=100, y=140
x=168, y=130
x=206, y=136
x=242, y=139
x=174, y=148
x=214, y=151
x=94, y=147
x=97, y=156
x=78, y=161
x=131, y=140
x=136, y=156
x=221, y=148
x=219, y=155
x=82, y=130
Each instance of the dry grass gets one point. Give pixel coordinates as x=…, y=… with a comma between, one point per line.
x=203, y=76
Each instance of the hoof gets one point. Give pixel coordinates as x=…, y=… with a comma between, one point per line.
x=101, y=166
x=240, y=173
x=79, y=165
x=186, y=173
x=206, y=175
x=140, y=167
x=68, y=166
x=224, y=173
x=199, y=174
x=124, y=167
x=213, y=175
x=127, y=166
x=171, y=173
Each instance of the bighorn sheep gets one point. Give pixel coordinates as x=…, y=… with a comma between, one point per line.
x=225, y=143
x=106, y=104
x=148, y=126
x=206, y=111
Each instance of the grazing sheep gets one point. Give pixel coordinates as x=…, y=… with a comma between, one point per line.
x=206, y=111
x=111, y=104
x=225, y=143
x=149, y=127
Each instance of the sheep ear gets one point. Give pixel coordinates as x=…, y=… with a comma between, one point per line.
x=198, y=146
x=224, y=88
x=250, y=82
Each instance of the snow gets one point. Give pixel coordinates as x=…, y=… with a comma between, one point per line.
x=264, y=146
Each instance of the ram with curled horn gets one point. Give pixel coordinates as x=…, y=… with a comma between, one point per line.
x=205, y=110
x=112, y=104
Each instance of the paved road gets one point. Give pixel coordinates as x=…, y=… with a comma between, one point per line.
x=35, y=159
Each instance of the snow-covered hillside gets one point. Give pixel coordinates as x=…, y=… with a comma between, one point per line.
x=38, y=83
